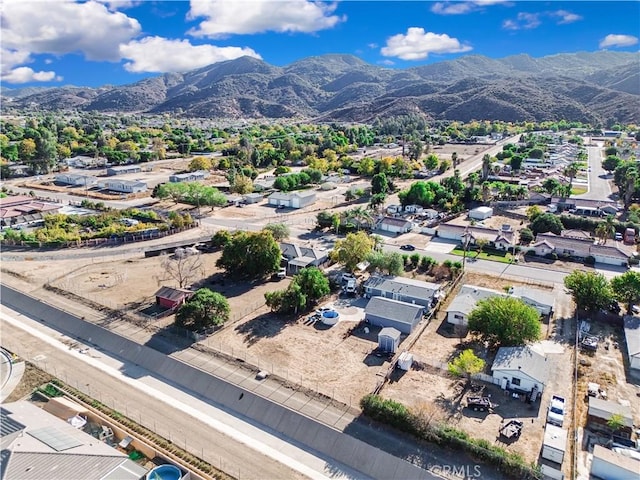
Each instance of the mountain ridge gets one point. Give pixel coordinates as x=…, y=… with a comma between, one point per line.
x=594, y=87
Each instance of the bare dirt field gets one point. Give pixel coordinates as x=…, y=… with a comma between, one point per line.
x=463, y=151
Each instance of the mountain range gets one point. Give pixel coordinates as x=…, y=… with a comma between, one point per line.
x=592, y=87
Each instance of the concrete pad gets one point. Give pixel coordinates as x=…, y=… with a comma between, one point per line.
x=437, y=245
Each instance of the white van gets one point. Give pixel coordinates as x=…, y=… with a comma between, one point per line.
x=351, y=286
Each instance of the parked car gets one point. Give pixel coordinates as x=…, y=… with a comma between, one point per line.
x=555, y=416
x=348, y=276
x=614, y=307
x=410, y=248
x=618, y=236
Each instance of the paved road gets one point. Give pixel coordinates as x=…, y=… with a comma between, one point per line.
x=145, y=400
x=599, y=186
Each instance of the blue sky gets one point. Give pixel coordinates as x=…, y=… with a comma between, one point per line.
x=93, y=43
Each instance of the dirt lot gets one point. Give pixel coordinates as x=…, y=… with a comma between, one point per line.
x=430, y=385
x=609, y=368
x=463, y=151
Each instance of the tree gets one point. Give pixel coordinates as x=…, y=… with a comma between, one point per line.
x=199, y=163
x=184, y=267
x=313, y=284
x=505, y=321
x=379, y=184
x=431, y=162
x=352, y=250
x=547, y=222
x=204, y=309
x=415, y=150
x=486, y=166
x=280, y=231
x=606, y=229
x=250, y=254
x=591, y=291
x=221, y=238
x=533, y=212
x=242, y=184
x=526, y=235
x=571, y=171
x=466, y=364
x=480, y=244
x=326, y=219
x=551, y=185
x=615, y=422
x=626, y=288
x=611, y=163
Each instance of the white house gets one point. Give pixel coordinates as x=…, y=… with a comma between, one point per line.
x=75, y=179
x=466, y=300
x=521, y=369
x=481, y=213
x=394, y=209
x=632, y=336
x=385, y=312
x=189, y=176
x=124, y=186
x=299, y=199
x=403, y=289
x=413, y=209
x=253, y=198
x=122, y=169
x=394, y=225
x=613, y=466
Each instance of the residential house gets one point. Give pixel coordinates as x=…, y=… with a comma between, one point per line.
x=196, y=176
x=394, y=225
x=481, y=213
x=22, y=210
x=403, y=289
x=253, y=198
x=300, y=256
x=386, y=312
x=298, y=199
x=123, y=186
x=609, y=254
x=84, y=161
x=470, y=234
x=172, y=298
x=264, y=183
x=123, y=169
x=600, y=412
x=536, y=298
x=465, y=302
x=632, y=336
x=578, y=248
x=75, y=179
x=38, y=445
x=611, y=465
x=413, y=209
x=521, y=369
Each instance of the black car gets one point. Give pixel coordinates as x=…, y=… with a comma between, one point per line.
x=614, y=307
x=410, y=248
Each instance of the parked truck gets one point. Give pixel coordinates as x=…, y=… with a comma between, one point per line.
x=630, y=235
x=555, y=415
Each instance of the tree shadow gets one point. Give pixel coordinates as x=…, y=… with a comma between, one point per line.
x=267, y=325
x=228, y=286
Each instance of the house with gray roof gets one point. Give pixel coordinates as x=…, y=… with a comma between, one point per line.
x=579, y=246
x=467, y=233
x=403, y=289
x=541, y=300
x=394, y=225
x=302, y=256
x=465, y=302
x=522, y=369
x=75, y=179
x=299, y=199
x=37, y=445
x=386, y=312
x=632, y=337
x=189, y=176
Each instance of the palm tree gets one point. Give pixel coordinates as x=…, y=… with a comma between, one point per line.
x=486, y=165
x=571, y=171
x=454, y=159
x=473, y=180
x=606, y=229
x=486, y=192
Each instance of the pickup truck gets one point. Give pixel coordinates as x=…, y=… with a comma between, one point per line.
x=555, y=416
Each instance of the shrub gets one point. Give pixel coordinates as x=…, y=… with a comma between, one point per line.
x=551, y=256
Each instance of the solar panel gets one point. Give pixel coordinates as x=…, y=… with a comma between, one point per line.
x=55, y=438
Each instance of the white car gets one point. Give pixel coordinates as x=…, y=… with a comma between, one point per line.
x=348, y=276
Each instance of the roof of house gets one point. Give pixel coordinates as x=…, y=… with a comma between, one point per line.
x=112, y=181
x=536, y=295
x=468, y=297
x=632, y=334
x=404, y=286
x=605, y=408
x=293, y=250
x=290, y=195
x=390, y=332
x=611, y=251
x=564, y=243
x=52, y=448
x=523, y=359
x=627, y=463
x=397, y=222
x=14, y=200
x=173, y=294
x=482, y=210
x=579, y=234
x=393, y=310
x=124, y=168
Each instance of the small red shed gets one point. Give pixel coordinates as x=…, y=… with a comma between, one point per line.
x=169, y=297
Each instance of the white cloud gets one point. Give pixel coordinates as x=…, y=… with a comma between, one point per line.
x=114, y=5
x=27, y=74
x=525, y=21
x=417, y=44
x=615, y=40
x=157, y=54
x=461, y=8
x=63, y=26
x=225, y=17
x=565, y=17
x=387, y=62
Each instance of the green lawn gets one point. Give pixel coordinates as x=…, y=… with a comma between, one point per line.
x=578, y=190
x=492, y=255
